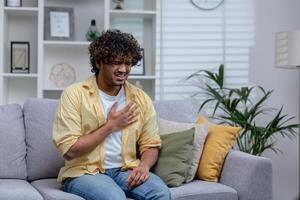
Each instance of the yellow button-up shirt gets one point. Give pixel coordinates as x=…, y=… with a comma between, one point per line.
x=80, y=112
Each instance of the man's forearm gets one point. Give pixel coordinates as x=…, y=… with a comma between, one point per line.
x=88, y=142
x=149, y=158
x=115, y=121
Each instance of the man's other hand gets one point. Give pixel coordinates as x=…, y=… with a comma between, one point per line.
x=137, y=176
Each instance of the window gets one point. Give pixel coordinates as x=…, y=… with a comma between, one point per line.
x=193, y=39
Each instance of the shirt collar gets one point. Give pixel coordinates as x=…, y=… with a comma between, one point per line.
x=91, y=85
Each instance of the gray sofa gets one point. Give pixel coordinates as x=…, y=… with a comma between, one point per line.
x=29, y=163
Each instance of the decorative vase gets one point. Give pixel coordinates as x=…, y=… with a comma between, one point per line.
x=92, y=32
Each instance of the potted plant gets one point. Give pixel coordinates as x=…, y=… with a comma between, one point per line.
x=236, y=107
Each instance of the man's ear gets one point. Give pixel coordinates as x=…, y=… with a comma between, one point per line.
x=99, y=65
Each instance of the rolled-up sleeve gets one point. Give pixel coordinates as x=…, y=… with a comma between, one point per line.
x=149, y=137
x=67, y=121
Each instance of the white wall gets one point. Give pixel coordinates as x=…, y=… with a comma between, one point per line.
x=273, y=16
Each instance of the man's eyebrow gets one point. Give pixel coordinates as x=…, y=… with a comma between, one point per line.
x=118, y=61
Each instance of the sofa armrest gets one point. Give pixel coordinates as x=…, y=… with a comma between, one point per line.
x=250, y=176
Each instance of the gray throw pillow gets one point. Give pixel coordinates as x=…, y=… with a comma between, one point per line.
x=201, y=131
x=175, y=157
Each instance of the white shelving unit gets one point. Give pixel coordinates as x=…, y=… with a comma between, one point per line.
x=20, y=75
x=18, y=24
x=27, y=24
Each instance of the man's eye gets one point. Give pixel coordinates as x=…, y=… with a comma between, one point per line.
x=117, y=63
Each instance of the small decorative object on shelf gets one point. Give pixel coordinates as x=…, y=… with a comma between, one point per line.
x=139, y=68
x=19, y=57
x=62, y=74
x=93, y=32
x=118, y=4
x=14, y=3
x=59, y=23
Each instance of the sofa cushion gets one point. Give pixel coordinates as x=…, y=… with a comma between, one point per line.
x=43, y=159
x=12, y=142
x=166, y=127
x=177, y=110
x=175, y=157
x=219, y=141
x=203, y=190
x=18, y=190
x=51, y=190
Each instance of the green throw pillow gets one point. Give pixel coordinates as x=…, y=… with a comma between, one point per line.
x=175, y=157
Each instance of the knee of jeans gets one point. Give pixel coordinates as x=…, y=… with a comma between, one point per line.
x=116, y=195
x=162, y=194
x=108, y=195
x=165, y=194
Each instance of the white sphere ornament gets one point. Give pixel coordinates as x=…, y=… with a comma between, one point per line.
x=62, y=74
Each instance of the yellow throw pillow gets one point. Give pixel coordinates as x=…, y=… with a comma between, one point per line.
x=218, y=143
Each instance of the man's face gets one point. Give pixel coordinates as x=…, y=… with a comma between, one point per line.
x=115, y=74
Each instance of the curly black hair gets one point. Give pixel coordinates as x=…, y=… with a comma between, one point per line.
x=114, y=45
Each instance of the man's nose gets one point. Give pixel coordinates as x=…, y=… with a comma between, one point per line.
x=122, y=68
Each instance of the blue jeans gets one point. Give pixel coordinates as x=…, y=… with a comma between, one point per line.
x=112, y=185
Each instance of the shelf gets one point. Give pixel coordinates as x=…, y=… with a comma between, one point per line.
x=20, y=75
x=132, y=13
x=21, y=11
x=78, y=44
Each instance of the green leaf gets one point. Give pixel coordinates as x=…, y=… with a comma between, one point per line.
x=221, y=76
x=204, y=103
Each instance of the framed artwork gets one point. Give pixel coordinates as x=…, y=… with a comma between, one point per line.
x=13, y=3
x=19, y=57
x=139, y=68
x=59, y=23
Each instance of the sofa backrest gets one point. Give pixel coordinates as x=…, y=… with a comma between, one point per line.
x=43, y=160
x=12, y=142
x=177, y=110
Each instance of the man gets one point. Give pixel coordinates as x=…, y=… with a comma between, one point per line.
x=104, y=123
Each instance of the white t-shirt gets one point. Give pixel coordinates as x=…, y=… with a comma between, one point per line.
x=112, y=141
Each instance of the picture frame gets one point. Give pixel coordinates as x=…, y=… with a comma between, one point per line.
x=13, y=3
x=59, y=23
x=19, y=57
x=139, y=68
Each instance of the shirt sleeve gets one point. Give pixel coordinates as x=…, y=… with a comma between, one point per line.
x=67, y=121
x=149, y=137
